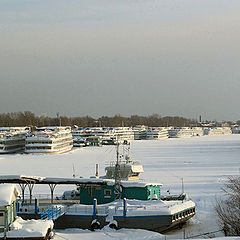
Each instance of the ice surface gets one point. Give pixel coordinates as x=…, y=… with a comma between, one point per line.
x=204, y=163
x=108, y=233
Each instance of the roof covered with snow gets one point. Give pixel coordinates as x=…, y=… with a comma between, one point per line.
x=8, y=194
x=78, y=181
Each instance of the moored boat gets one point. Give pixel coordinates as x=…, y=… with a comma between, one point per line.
x=49, y=140
x=118, y=199
x=12, y=139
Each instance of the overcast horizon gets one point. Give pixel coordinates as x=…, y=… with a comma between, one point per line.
x=127, y=57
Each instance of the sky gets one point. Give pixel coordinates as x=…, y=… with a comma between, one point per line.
x=107, y=57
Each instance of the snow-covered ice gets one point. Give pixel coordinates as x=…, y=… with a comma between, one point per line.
x=107, y=234
x=204, y=163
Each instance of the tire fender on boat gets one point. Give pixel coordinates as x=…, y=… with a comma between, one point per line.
x=113, y=225
x=95, y=224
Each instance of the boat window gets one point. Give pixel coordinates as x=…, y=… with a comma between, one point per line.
x=107, y=192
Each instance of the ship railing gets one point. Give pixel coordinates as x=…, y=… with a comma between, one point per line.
x=53, y=212
x=87, y=210
x=46, y=199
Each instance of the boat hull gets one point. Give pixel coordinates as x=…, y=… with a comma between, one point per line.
x=157, y=223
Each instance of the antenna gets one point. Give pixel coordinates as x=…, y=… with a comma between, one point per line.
x=127, y=157
x=182, y=186
x=59, y=118
x=117, y=186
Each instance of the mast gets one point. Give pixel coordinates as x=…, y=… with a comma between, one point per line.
x=117, y=185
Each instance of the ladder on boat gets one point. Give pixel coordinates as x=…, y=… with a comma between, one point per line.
x=52, y=213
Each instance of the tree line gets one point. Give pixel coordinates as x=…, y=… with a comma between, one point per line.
x=27, y=118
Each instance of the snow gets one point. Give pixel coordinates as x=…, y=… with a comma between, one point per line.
x=138, y=184
x=204, y=163
x=20, y=177
x=107, y=233
x=173, y=208
x=134, y=208
x=7, y=194
x=29, y=228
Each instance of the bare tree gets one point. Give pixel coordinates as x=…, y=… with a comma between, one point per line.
x=228, y=208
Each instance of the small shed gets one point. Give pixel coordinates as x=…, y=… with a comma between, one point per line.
x=8, y=210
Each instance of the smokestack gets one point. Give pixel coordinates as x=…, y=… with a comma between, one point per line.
x=97, y=171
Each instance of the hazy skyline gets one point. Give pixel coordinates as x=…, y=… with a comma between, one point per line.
x=107, y=57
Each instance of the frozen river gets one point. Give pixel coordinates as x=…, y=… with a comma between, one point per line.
x=204, y=163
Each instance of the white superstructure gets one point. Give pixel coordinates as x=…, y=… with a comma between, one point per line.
x=12, y=139
x=180, y=132
x=236, y=130
x=116, y=133
x=49, y=140
x=218, y=131
x=123, y=133
x=156, y=133
x=197, y=131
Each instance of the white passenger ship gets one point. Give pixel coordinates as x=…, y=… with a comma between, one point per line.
x=12, y=139
x=119, y=133
x=157, y=133
x=49, y=140
x=218, y=131
x=180, y=132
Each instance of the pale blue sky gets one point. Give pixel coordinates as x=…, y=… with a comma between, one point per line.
x=103, y=57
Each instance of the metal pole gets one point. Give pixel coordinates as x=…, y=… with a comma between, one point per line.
x=182, y=186
x=117, y=176
x=52, y=187
x=23, y=186
x=94, y=207
x=124, y=207
x=5, y=223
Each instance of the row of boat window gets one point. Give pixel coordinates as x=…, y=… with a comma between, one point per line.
x=12, y=142
x=12, y=147
x=48, y=141
x=183, y=214
x=50, y=136
x=48, y=147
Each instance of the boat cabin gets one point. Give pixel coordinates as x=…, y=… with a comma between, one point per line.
x=105, y=193
x=128, y=170
x=94, y=141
